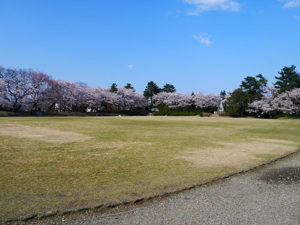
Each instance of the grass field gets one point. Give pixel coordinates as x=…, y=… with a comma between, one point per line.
x=65, y=163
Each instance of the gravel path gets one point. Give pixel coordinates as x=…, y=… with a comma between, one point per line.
x=267, y=196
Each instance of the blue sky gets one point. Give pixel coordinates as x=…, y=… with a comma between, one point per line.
x=197, y=45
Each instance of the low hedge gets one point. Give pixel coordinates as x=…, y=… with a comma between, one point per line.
x=177, y=113
x=124, y=113
x=163, y=110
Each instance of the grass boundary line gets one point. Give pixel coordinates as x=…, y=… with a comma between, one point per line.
x=141, y=200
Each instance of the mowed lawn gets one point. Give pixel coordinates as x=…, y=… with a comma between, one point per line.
x=71, y=162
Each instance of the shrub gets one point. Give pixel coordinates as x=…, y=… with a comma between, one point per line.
x=181, y=111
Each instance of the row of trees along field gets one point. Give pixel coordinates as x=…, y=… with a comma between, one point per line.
x=27, y=90
x=255, y=98
x=31, y=91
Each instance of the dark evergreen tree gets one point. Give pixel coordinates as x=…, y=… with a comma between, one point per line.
x=113, y=88
x=254, y=87
x=223, y=94
x=288, y=79
x=129, y=86
x=251, y=89
x=237, y=103
x=151, y=90
x=169, y=88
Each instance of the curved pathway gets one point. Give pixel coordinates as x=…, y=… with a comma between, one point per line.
x=270, y=195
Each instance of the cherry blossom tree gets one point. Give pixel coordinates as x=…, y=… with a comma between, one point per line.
x=295, y=95
x=16, y=87
x=39, y=87
x=273, y=103
x=172, y=100
x=177, y=100
x=130, y=100
x=124, y=100
x=100, y=98
x=284, y=104
x=68, y=91
x=3, y=101
x=206, y=101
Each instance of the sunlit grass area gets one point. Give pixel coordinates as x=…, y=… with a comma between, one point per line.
x=65, y=163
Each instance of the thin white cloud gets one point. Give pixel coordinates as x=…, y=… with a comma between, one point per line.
x=292, y=4
x=297, y=18
x=130, y=66
x=209, y=5
x=203, y=40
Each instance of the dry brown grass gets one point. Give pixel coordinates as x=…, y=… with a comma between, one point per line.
x=120, y=145
x=41, y=134
x=237, y=155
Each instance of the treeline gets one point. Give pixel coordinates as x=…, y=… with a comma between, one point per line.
x=255, y=98
x=185, y=104
x=165, y=101
x=31, y=91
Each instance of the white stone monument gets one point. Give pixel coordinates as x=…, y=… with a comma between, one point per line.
x=221, y=106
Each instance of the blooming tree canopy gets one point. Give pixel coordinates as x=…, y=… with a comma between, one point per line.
x=272, y=102
x=177, y=100
x=28, y=90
